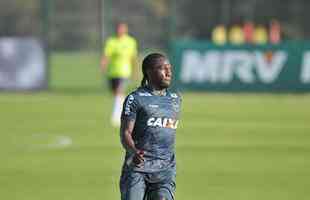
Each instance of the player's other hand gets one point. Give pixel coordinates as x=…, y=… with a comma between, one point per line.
x=138, y=158
x=103, y=64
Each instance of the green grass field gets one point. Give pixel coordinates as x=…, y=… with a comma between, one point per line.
x=59, y=145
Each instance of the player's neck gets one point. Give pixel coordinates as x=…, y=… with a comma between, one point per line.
x=157, y=91
x=121, y=36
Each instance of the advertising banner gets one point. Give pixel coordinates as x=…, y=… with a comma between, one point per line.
x=205, y=66
x=22, y=64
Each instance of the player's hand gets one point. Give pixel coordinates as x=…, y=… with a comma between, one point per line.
x=138, y=158
x=103, y=65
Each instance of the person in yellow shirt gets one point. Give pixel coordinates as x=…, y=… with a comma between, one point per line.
x=219, y=35
x=235, y=35
x=119, y=56
x=260, y=35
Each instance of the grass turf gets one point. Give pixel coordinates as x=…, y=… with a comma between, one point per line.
x=59, y=144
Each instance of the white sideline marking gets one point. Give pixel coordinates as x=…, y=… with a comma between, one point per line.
x=52, y=141
x=61, y=142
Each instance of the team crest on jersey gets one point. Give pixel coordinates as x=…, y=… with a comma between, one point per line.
x=163, y=122
x=174, y=95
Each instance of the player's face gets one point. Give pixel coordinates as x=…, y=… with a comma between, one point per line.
x=161, y=74
x=122, y=29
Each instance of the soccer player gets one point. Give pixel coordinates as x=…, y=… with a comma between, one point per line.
x=148, y=128
x=119, y=56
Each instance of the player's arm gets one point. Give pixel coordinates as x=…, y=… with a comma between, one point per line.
x=106, y=53
x=134, y=59
x=128, y=143
x=128, y=120
x=127, y=127
x=103, y=63
x=134, y=56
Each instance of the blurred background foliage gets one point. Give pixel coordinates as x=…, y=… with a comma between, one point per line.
x=78, y=24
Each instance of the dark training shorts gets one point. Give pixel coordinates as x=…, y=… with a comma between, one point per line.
x=148, y=186
x=115, y=83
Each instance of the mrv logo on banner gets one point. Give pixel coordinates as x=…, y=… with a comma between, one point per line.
x=243, y=69
x=248, y=67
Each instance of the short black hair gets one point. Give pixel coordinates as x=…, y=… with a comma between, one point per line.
x=149, y=62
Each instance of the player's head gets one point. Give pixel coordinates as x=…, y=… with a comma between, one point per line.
x=121, y=29
x=157, y=71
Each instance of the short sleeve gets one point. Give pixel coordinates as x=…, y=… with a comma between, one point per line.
x=130, y=108
x=134, y=48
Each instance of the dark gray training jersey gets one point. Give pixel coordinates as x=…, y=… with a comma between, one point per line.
x=156, y=119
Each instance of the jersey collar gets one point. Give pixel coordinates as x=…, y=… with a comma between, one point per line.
x=156, y=92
